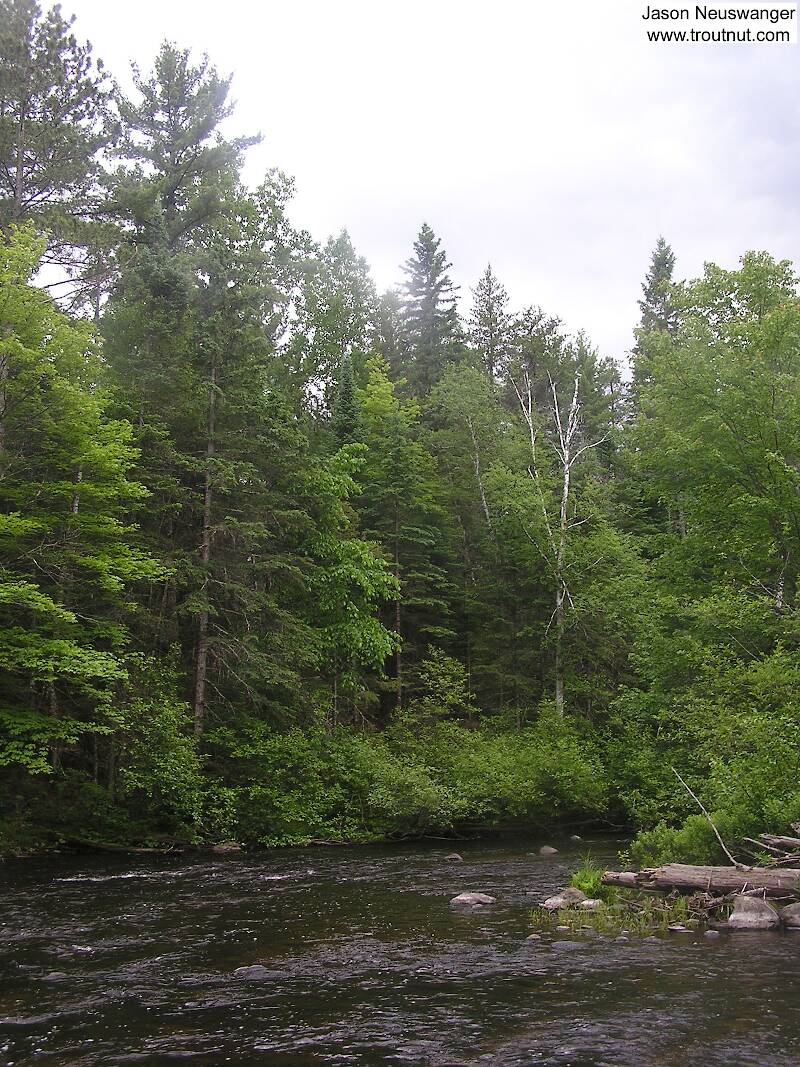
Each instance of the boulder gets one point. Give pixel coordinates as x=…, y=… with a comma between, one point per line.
x=548, y=850
x=590, y=905
x=790, y=916
x=567, y=898
x=470, y=900
x=752, y=913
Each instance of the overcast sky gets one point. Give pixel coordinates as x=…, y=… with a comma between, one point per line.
x=549, y=138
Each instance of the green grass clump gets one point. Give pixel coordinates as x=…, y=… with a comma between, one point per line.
x=588, y=878
x=635, y=913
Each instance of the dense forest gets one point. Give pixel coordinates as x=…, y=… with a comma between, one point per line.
x=285, y=559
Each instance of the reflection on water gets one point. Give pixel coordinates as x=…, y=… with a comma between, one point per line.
x=354, y=956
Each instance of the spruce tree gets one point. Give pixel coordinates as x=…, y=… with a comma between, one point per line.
x=658, y=308
x=431, y=326
x=345, y=419
x=490, y=322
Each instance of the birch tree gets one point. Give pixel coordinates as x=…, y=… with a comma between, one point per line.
x=565, y=442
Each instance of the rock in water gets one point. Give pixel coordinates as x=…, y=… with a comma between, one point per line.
x=548, y=850
x=454, y=857
x=753, y=913
x=224, y=847
x=790, y=916
x=256, y=973
x=469, y=900
x=565, y=899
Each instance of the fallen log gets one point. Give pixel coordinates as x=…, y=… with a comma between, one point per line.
x=775, y=882
x=780, y=842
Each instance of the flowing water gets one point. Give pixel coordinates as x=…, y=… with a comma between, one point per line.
x=354, y=956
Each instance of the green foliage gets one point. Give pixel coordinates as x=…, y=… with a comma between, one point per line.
x=283, y=560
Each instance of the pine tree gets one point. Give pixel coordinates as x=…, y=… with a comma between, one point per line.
x=179, y=171
x=431, y=326
x=53, y=126
x=490, y=322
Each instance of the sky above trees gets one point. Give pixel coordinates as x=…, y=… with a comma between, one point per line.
x=552, y=136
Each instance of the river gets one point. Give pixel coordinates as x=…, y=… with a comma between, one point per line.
x=359, y=959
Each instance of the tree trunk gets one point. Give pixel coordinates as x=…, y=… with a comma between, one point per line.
x=398, y=616
x=773, y=881
x=205, y=556
x=478, y=475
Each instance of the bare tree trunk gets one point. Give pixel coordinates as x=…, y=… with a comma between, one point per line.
x=478, y=475
x=112, y=766
x=398, y=617
x=205, y=556
x=76, y=497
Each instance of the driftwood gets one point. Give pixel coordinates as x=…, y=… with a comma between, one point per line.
x=772, y=881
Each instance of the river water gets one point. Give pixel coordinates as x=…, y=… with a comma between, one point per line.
x=354, y=956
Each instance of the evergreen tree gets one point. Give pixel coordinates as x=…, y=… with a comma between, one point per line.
x=490, y=322
x=431, y=326
x=388, y=338
x=179, y=172
x=53, y=128
x=345, y=421
x=658, y=307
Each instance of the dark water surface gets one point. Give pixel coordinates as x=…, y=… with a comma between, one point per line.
x=361, y=960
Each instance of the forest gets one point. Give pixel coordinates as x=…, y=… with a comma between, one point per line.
x=285, y=559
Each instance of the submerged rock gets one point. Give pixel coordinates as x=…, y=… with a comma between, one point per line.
x=567, y=944
x=575, y=837
x=567, y=898
x=455, y=857
x=256, y=973
x=712, y=935
x=752, y=913
x=472, y=899
x=548, y=850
